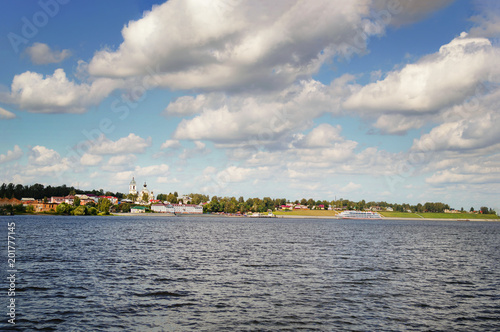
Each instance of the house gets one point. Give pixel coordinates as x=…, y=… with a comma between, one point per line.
x=44, y=207
x=27, y=201
x=112, y=199
x=138, y=209
x=184, y=199
x=162, y=208
x=84, y=199
x=389, y=209
x=9, y=201
x=301, y=207
x=57, y=200
x=69, y=199
x=187, y=208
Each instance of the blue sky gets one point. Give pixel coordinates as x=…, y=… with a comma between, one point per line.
x=367, y=99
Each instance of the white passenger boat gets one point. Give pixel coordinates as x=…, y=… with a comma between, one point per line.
x=359, y=215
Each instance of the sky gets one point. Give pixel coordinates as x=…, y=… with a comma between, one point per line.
x=381, y=100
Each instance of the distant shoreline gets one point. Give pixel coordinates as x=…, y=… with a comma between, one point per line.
x=294, y=217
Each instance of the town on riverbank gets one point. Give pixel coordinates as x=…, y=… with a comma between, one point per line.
x=63, y=200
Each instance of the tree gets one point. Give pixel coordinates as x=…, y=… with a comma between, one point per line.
x=471, y=209
x=80, y=210
x=76, y=201
x=162, y=197
x=90, y=204
x=484, y=210
x=103, y=205
x=171, y=198
x=92, y=211
x=145, y=197
x=125, y=207
x=64, y=208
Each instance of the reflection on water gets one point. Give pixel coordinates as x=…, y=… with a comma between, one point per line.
x=199, y=273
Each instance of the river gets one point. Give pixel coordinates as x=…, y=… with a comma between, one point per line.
x=242, y=274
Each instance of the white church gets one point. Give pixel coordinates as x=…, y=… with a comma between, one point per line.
x=132, y=189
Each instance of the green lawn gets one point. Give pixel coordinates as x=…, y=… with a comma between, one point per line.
x=399, y=214
x=438, y=215
x=317, y=213
x=459, y=216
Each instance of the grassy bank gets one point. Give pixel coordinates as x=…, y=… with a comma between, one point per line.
x=315, y=213
x=431, y=215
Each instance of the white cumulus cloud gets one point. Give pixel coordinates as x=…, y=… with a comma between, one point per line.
x=56, y=93
x=41, y=54
x=14, y=154
x=90, y=159
x=42, y=156
x=212, y=45
x=6, y=115
x=129, y=144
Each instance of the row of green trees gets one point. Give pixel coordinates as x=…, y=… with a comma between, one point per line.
x=39, y=191
x=219, y=204
x=103, y=206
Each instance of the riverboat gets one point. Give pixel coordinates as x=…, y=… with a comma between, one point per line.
x=359, y=215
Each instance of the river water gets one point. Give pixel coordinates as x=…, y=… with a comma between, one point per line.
x=242, y=274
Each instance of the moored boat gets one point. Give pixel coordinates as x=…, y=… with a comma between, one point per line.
x=359, y=215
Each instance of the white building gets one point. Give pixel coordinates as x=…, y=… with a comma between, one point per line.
x=162, y=208
x=184, y=199
x=177, y=208
x=132, y=188
x=138, y=209
x=146, y=192
x=188, y=208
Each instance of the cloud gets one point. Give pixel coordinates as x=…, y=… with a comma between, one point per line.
x=148, y=171
x=90, y=159
x=398, y=124
x=410, y=97
x=212, y=45
x=128, y=159
x=264, y=119
x=6, y=115
x=350, y=187
x=485, y=170
x=472, y=126
x=171, y=144
x=436, y=81
x=41, y=54
x=189, y=105
x=15, y=154
x=324, y=135
x=408, y=11
x=199, y=149
x=56, y=93
x=42, y=156
x=130, y=144
x=234, y=174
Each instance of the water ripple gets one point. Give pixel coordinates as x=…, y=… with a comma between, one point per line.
x=209, y=274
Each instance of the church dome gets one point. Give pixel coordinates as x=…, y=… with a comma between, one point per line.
x=133, y=181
